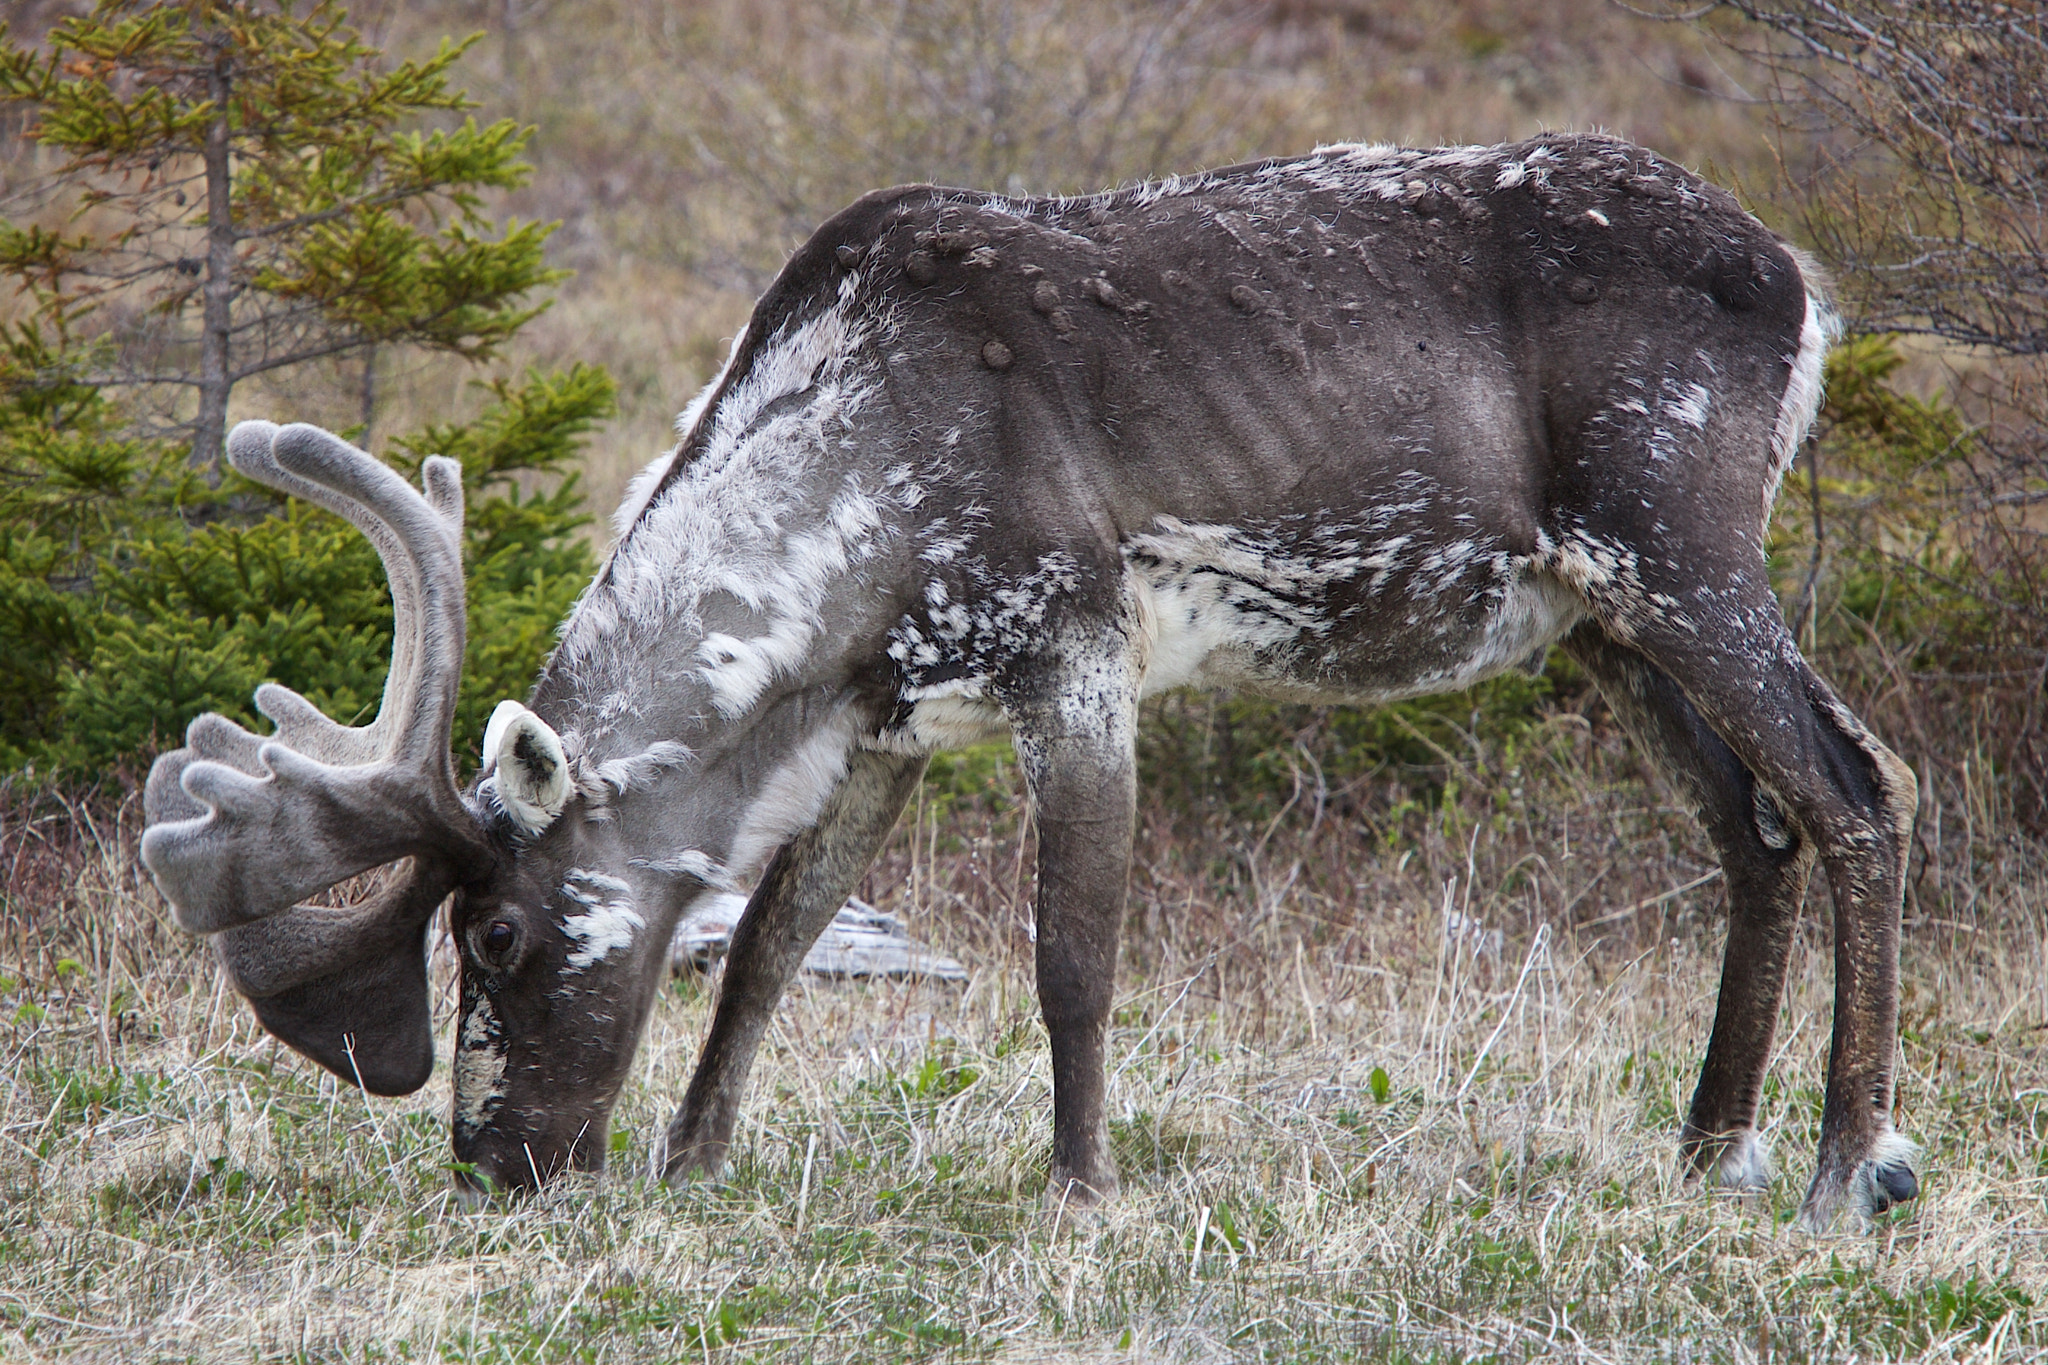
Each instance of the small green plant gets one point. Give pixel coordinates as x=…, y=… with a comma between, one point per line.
x=1249, y=757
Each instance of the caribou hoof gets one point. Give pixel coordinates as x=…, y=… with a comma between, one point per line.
x=1069, y=1195
x=1736, y=1163
x=687, y=1163
x=1892, y=1184
x=708, y=1172
x=1881, y=1181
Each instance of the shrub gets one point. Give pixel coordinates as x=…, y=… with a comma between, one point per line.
x=142, y=597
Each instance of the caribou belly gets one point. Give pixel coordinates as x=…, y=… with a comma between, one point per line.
x=1320, y=621
x=1325, y=634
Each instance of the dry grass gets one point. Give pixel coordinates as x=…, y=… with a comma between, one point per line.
x=1346, y=1132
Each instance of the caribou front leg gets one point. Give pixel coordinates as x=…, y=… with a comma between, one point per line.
x=1078, y=753
x=803, y=888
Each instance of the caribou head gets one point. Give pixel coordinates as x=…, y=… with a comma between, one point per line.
x=246, y=830
x=1358, y=426
x=565, y=865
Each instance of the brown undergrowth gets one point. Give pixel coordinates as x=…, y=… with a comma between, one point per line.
x=1397, y=1065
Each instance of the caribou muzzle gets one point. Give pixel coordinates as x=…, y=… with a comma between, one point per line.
x=496, y=1160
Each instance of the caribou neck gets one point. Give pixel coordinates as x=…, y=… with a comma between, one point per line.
x=682, y=792
x=720, y=669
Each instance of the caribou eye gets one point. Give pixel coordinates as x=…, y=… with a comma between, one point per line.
x=499, y=937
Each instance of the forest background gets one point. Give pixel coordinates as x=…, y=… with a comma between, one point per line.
x=1296, y=863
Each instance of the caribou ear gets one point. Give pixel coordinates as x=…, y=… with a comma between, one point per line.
x=532, y=771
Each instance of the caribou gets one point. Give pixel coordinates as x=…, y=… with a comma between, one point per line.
x=1355, y=426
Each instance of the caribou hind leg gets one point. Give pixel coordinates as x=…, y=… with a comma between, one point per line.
x=803, y=887
x=1726, y=647
x=1766, y=865
x=1077, y=746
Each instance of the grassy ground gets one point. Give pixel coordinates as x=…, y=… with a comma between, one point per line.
x=1391, y=1084
x=1396, y=1078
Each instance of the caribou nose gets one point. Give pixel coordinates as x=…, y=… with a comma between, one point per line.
x=498, y=1166
x=470, y=1194
x=489, y=1161
x=481, y=1172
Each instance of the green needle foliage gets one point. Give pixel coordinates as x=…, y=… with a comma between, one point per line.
x=124, y=624
x=243, y=184
x=74, y=492
x=140, y=582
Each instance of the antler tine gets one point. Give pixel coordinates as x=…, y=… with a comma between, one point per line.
x=419, y=541
x=212, y=737
x=300, y=724
x=442, y=478
x=245, y=835
x=253, y=449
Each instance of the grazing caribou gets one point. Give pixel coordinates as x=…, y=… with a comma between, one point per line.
x=1357, y=426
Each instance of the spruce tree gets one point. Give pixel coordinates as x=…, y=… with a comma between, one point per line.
x=246, y=190
x=238, y=188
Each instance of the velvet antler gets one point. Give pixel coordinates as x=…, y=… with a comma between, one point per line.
x=243, y=827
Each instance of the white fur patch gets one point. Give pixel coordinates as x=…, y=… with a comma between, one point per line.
x=1895, y=1149
x=1743, y=1164
x=640, y=491
x=1005, y=617
x=1597, y=568
x=947, y=715
x=608, y=922
x=479, y=1066
x=1227, y=606
x=795, y=792
x=1204, y=591
x=691, y=862
x=1533, y=613
x=1608, y=575
x=1801, y=403
x=735, y=520
x=790, y=588
x=1691, y=405
x=956, y=721
x=623, y=774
